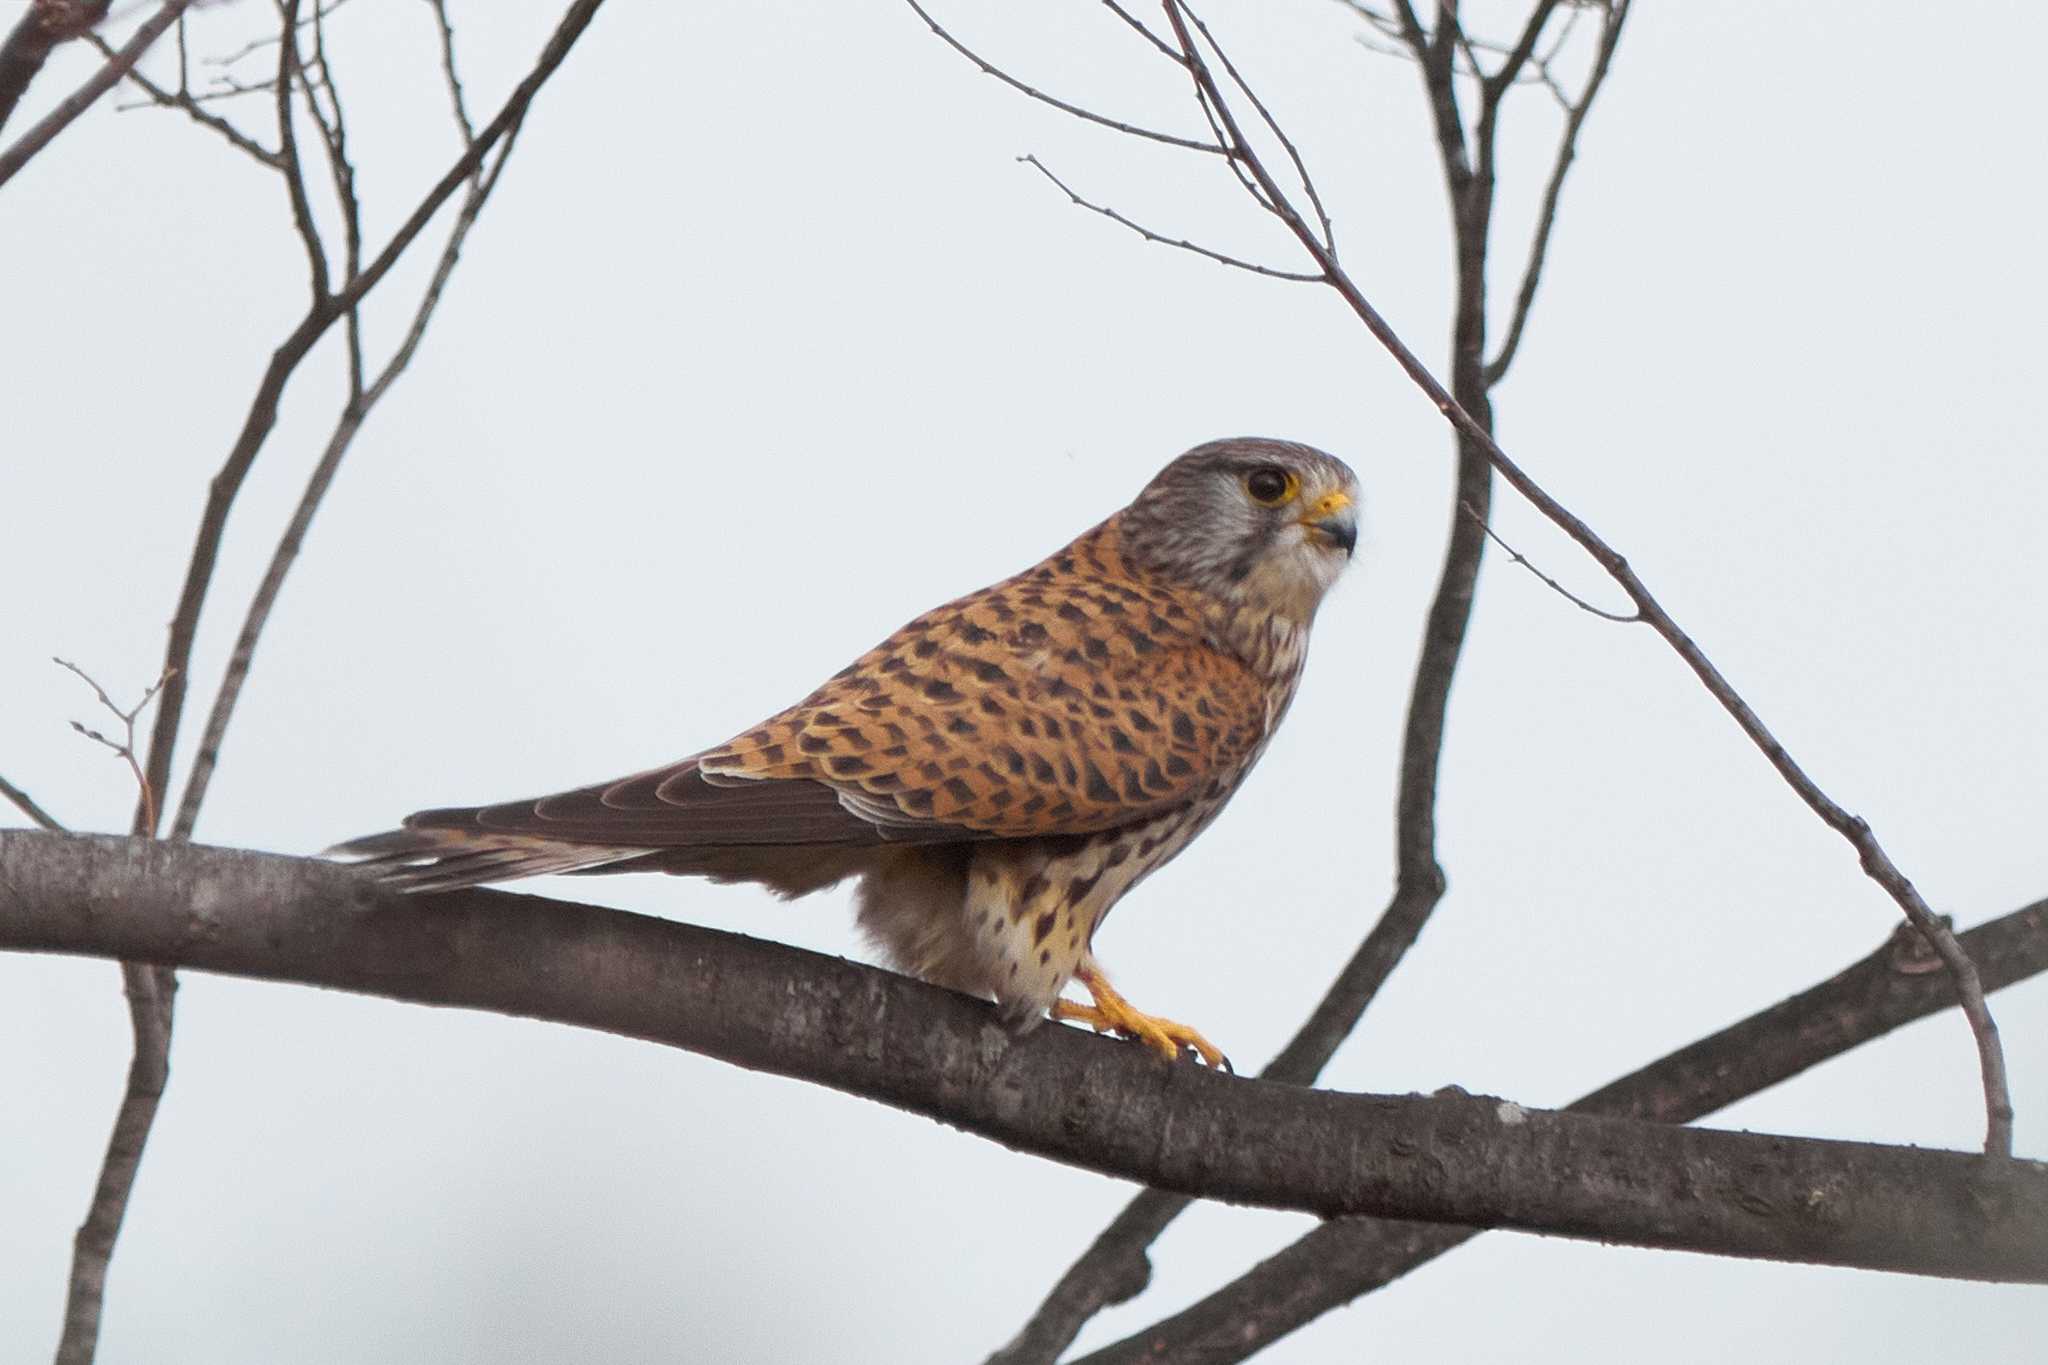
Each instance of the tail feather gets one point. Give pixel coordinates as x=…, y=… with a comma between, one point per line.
x=447, y=859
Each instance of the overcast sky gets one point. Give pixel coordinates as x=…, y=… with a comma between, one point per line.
x=767, y=344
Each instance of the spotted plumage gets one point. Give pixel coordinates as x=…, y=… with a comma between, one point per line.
x=1001, y=770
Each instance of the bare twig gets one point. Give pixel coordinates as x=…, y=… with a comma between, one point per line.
x=288, y=156
x=447, y=31
x=182, y=99
x=1546, y=216
x=1032, y=92
x=1631, y=618
x=1158, y=43
x=123, y=748
x=1149, y=235
x=1308, y=183
x=27, y=805
x=256, y=45
x=106, y=78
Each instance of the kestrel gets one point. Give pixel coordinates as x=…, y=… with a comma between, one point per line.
x=1002, y=770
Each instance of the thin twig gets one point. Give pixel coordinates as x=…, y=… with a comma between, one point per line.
x=1546, y=216
x=1308, y=183
x=1632, y=618
x=256, y=45
x=1032, y=92
x=123, y=748
x=1158, y=43
x=27, y=805
x=447, y=32
x=78, y=101
x=288, y=157
x=182, y=99
x=1149, y=235
x=312, y=79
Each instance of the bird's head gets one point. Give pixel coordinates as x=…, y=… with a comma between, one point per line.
x=1263, y=523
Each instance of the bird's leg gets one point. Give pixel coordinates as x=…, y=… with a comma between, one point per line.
x=1111, y=1013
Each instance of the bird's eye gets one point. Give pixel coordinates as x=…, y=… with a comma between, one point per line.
x=1271, y=485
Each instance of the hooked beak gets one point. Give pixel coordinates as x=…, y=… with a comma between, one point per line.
x=1333, y=521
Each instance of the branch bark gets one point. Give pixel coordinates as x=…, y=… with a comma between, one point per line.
x=81, y=99
x=150, y=991
x=1056, y=1093
x=30, y=42
x=1348, y=1257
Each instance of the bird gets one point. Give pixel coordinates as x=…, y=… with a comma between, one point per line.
x=999, y=772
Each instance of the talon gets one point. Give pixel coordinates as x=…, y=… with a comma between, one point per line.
x=1111, y=1013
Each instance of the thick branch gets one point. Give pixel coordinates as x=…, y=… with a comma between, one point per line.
x=1097, y=1104
x=30, y=42
x=1345, y=1258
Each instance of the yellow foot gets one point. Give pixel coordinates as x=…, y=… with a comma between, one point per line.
x=1111, y=1013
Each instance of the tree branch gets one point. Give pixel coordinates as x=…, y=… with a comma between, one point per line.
x=1553, y=189
x=30, y=42
x=27, y=805
x=81, y=99
x=1149, y=235
x=1094, y=1103
x=1031, y=92
x=149, y=990
x=1340, y=1260
x=182, y=99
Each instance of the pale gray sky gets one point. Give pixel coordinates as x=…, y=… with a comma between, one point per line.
x=767, y=344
